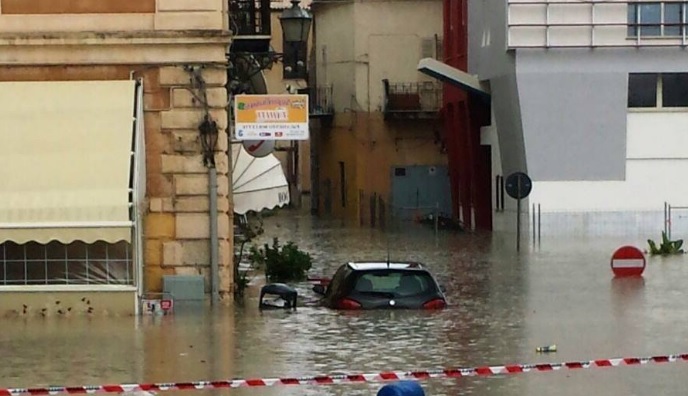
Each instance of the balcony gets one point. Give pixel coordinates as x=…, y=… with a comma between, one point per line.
x=412, y=100
x=250, y=24
x=596, y=23
x=320, y=104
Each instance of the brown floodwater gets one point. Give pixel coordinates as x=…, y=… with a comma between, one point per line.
x=502, y=306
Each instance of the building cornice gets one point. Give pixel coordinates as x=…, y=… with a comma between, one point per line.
x=145, y=37
x=111, y=48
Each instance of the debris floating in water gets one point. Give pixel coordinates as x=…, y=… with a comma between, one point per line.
x=546, y=348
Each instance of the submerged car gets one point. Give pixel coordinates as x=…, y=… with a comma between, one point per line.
x=382, y=285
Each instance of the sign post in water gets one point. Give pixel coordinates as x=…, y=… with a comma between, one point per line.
x=518, y=185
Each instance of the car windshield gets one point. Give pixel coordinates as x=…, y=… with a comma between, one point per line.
x=395, y=283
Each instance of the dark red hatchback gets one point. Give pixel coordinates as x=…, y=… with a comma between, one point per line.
x=382, y=285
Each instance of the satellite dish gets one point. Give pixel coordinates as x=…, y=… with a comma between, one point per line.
x=259, y=148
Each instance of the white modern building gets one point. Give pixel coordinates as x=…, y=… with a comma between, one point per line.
x=590, y=99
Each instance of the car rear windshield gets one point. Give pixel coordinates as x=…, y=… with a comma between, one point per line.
x=399, y=283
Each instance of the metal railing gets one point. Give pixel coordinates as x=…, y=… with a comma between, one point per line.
x=412, y=96
x=320, y=100
x=250, y=17
x=596, y=23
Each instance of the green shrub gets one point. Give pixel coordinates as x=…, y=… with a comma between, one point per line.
x=667, y=246
x=281, y=263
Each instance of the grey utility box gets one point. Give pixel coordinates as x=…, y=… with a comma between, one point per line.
x=184, y=287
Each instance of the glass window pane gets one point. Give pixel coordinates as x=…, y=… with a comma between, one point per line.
x=56, y=272
x=632, y=20
x=76, y=250
x=642, y=90
x=15, y=272
x=98, y=250
x=12, y=251
x=672, y=19
x=675, y=90
x=56, y=250
x=35, y=251
x=650, y=19
x=36, y=273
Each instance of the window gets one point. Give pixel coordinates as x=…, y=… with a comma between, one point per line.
x=642, y=90
x=675, y=90
x=431, y=47
x=76, y=263
x=653, y=90
x=399, y=283
x=656, y=19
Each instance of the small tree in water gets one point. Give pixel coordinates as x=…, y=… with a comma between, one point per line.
x=282, y=263
x=247, y=233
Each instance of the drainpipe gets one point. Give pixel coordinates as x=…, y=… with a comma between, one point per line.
x=314, y=137
x=214, y=248
x=209, y=132
x=315, y=177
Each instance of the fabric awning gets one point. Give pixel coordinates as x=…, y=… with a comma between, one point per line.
x=65, y=161
x=257, y=183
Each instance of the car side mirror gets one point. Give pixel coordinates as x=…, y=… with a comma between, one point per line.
x=319, y=289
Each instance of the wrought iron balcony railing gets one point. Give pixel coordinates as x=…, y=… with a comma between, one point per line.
x=412, y=99
x=320, y=102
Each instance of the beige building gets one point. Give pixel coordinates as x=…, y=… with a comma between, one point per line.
x=113, y=193
x=383, y=152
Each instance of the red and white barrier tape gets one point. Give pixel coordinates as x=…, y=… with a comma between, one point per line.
x=347, y=378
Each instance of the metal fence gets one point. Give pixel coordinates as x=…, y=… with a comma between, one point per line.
x=542, y=223
x=77, y=263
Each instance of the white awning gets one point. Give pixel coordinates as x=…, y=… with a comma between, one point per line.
x=452, y=75
x=257, y=183
x=66, y=161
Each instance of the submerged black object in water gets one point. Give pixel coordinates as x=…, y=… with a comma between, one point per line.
x=278, y=295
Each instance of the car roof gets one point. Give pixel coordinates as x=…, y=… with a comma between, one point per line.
x=375, y=265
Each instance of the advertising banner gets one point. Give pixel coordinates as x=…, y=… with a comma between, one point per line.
x=271, y=117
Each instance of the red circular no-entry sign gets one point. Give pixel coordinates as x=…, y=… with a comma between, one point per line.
x=628, y=261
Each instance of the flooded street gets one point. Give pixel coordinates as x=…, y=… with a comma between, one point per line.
x=502, y=306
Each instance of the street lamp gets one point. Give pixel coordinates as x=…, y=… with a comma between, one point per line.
x=247, y=60
x=296, y=23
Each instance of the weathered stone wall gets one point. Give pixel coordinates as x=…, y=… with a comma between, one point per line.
x=58, y=40
x=111, y=15
x=177, y=227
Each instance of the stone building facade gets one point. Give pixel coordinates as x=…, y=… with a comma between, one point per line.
x=164, y=43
